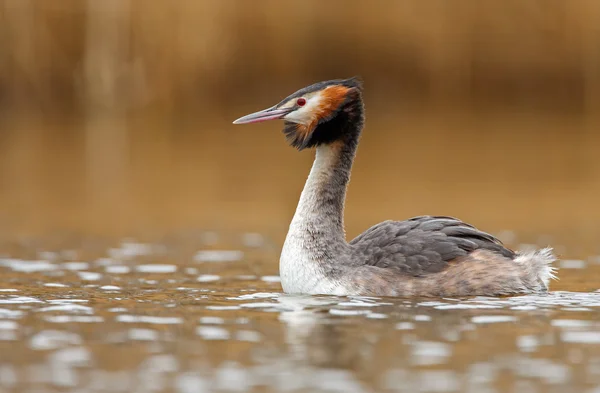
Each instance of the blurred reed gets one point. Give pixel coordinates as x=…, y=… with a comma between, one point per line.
x=113, y=112
x=184, y=55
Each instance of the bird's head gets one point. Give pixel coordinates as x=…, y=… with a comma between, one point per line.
x=317, y=114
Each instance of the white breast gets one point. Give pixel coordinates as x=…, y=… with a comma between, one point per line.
x=299, y=269
x=300, y=273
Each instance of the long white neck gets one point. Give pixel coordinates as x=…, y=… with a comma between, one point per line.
x=321, y=204
x=316, y=238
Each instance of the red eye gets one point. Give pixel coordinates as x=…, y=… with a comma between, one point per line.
x=301, y=102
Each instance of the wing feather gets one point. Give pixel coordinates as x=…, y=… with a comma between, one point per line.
x=422, y=245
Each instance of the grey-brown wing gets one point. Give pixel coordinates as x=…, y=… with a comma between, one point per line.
x=421, y=245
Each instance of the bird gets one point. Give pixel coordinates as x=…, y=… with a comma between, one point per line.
x=424, y=256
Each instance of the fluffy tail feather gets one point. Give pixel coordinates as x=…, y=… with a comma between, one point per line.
x=538, y=268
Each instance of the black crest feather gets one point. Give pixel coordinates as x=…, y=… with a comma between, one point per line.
x=346, y=118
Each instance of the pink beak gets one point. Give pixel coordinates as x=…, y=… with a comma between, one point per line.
x=271, y=113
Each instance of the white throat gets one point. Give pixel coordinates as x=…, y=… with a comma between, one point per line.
x=300, y=265
x=325, y=160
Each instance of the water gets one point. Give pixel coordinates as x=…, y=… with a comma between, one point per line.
x=128, y=316
x=83, y=308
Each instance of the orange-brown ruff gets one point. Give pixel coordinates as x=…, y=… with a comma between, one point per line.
x=421, y=256
x=331, y=98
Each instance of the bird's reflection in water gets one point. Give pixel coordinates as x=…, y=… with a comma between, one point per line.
x=318, y=338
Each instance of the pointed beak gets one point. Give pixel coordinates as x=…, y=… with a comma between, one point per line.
x=271, y=113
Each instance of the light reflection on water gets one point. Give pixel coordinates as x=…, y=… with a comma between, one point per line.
x=156, y=318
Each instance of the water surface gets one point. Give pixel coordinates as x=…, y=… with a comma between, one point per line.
x=200, y=314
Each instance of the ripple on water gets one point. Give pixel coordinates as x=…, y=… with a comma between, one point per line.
x=429, y=352
x=19, y=265
x=572, y=264
x=75, y=265
x=218, y=256
x=53, y=339
x=117, y=269
x=480, y=319
x=8, y=330
x=131, y=249
x=73, y=318
x=358, y=304
x=89, y=276
x=156, y=268
x=263, y=305
x=253, y=240
x=139, y=334
x=110, y=288
x=212, y=320
x=273, y=279
x=428, y=335
x=8, y=325
x=438, y=381
x=545, y=369
x=343, y=312
x=63, y=301
x=248, y=336
x=6, y=313
x=212, y=333
x=376, y=315
x=223, y=308
x=64, y=361
x=117, y=309
x=528, y=343
x=75, y=308
x=422, y=318
x=583, y=337
x=464, y=306
x=405, y=326
x=20, y=300
x=256, y=295
x=571, y=323
x=208, y=278
x=149, y=319
x=568, y=301
x=55, y=285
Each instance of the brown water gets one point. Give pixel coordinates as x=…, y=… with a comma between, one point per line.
x=141, y=256
x=193, y=315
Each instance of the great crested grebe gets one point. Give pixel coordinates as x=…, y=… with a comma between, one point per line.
x=422, y=256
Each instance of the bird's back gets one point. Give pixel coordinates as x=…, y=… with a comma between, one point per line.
x=422, y=245
x=442, y=256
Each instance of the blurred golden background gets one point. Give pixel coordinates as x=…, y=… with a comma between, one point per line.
x=115, y=115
